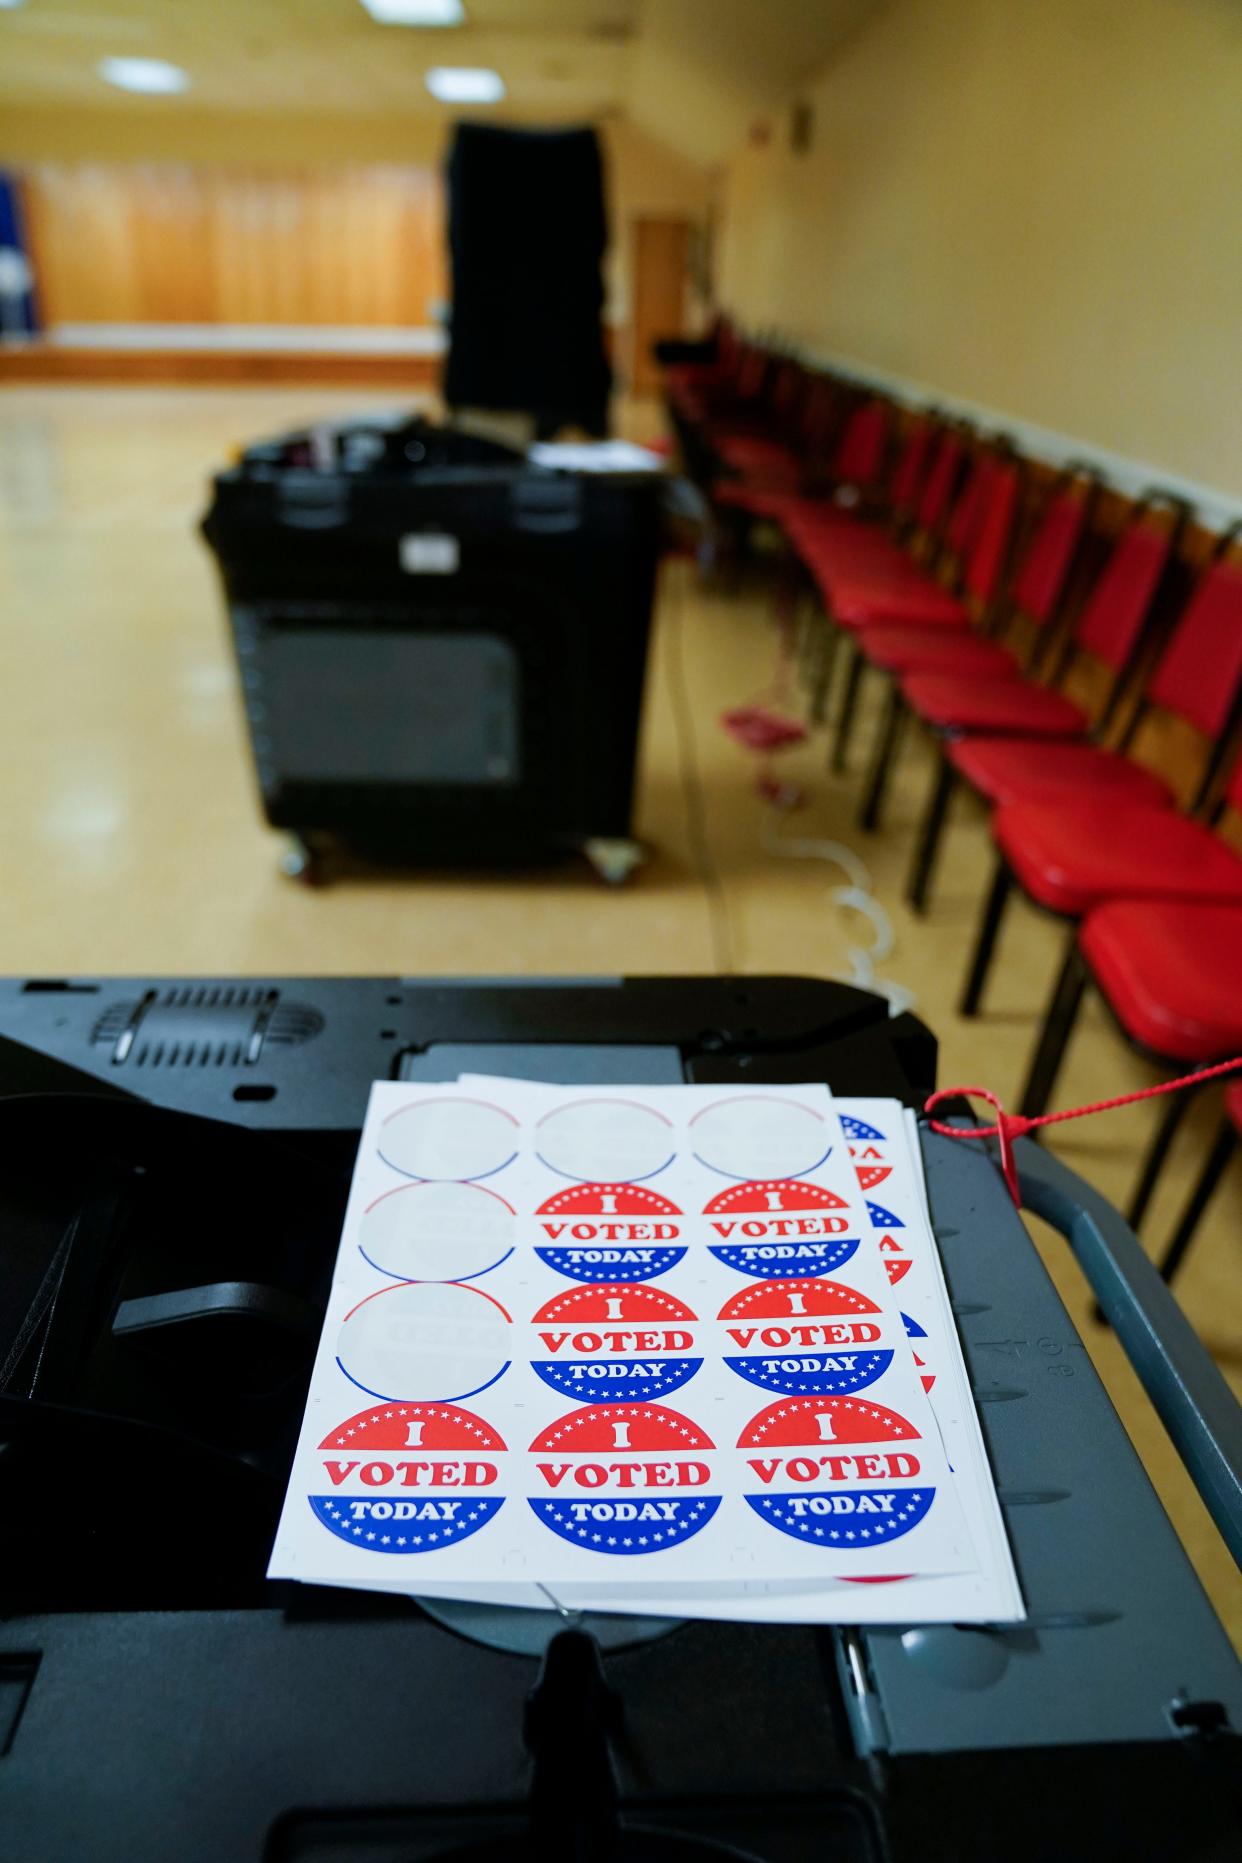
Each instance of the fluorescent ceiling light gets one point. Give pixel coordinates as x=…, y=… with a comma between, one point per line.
x=152, y=75
x=414, y=12
x=465, y=84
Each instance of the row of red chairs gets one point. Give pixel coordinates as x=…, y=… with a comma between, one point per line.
x=912, y=533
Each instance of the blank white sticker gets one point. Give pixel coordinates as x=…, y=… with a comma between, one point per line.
x=436, y=1232
x=757, y=1137
x=605, y=1141
x=425, y=1341
x=449, y=1139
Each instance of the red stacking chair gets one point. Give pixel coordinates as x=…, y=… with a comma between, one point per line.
x=957, y=706
x=1111, y=631
x=1170, y=971
x=876, y=516
x=1223, y=1147
x=683, y=381
x=861, y=574
x=736, y=398
x=1072, y=851
x=768, y=447
x=876, y=507
x=838, y=446
x=863, y=577
x=1035, y=595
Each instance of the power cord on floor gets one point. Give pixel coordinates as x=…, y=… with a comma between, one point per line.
x=855, y=897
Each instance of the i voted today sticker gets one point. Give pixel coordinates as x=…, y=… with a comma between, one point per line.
x=836, y=1472
x=780, y=1227
x=804, y=1336
x=615, y=1343
x=610, y=1232
x=624, y=1479
x=408, y=1478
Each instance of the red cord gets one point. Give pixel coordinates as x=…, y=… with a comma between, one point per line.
x=1010, y=1126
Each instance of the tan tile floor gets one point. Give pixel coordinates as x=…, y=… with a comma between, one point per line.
x=130, y=839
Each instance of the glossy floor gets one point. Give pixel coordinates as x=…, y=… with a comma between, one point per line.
x=130, y=839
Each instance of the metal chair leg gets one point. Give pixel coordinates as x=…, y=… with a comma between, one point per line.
x=1054, y=1038
x=823, y=670
x=930, y=832
x=1223, y=1147
x=812, y=619
x=1153, y=1164
x=849, y=705
x=887, y=744
x=985, y=940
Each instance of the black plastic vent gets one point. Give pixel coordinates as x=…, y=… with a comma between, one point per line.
x=113, y=1023
x=202, y=1025
x=292, y=1023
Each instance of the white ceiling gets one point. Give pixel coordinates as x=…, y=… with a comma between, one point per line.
x=690, y=71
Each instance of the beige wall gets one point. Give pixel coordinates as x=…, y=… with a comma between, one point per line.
x=1029, y=204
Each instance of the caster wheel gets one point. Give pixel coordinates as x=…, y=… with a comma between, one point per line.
x=614, y=860
x=302, y=863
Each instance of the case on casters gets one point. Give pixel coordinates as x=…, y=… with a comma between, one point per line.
x=441, y=646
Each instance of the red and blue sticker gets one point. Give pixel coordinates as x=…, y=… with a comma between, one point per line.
x=616, y=1343
x=836, y=1472
x=409, y=1478
x=804, y=1337
x=779, y=1228
x=624, y=1479
x=610, y=1232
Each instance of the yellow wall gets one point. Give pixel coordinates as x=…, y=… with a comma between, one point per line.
x=1029, y=204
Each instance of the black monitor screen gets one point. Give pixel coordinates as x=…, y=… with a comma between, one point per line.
x=378, y=705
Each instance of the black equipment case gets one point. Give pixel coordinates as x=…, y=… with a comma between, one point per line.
x=176, y=1160
x=441, y=645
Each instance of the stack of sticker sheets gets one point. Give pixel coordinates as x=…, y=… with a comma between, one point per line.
x=675, y=1350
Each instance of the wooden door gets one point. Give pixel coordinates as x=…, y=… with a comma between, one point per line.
x=661, y=251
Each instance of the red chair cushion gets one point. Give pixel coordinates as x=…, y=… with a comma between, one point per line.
x=817, y=524
x=1172, y=972
x=752, y=454
x=1017, y=769
x=1071, y=857
x=856, y=599
x=766, y=500
x=1005, y=706
x=907, y=648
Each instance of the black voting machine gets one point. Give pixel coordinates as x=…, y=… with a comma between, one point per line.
x=441, y=646
x=177, y=1162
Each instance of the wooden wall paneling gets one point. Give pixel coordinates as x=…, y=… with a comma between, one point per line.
x=174, y=243
x=172, y=254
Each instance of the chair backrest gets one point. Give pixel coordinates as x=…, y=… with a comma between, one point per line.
x=943, y=468
x=752, y=367
x=994, y=516
x=1232, y=798
x=859, y=455
x=1199, y=674
x=1119, y=606
x=1048, y=556
x=911, y=461
x=821, y=415
x=786, y=391
x=963, y=517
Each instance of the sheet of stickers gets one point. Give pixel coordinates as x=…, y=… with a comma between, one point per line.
x=678, y=1350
